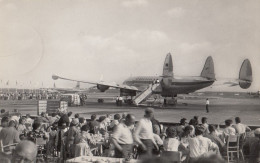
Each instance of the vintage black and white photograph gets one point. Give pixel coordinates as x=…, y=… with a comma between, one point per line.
x=135, y=81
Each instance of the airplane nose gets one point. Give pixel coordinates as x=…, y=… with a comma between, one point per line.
x=55, y=77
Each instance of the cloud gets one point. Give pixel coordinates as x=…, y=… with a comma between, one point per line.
x=134, y=3
x=176, y=12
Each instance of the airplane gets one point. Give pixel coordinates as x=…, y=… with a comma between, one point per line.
x=168, y=85
x=76, y=89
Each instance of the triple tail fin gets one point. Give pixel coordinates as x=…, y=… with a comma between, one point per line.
x=208, y=69
x=245, y=74
x=168, y=66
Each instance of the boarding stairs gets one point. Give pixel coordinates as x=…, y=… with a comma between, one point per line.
x=145, y=94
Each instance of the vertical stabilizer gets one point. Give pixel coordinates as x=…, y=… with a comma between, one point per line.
x=168, y=67
x=245, y=74
x=208, y=69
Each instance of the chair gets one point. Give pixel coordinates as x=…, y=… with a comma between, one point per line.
x=232, y=147
x=3, y=147
x=172, y=156
x=242, y=140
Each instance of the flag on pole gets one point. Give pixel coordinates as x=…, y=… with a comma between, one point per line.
x=16, y=83
x=7, y=83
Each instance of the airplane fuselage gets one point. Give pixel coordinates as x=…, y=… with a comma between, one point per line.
x=170, y=86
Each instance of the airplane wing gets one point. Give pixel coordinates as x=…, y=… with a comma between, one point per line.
x=107, y=84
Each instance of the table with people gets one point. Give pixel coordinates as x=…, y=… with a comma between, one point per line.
x=119, y=138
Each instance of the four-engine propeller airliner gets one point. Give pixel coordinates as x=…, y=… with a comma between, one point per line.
x=169, y=85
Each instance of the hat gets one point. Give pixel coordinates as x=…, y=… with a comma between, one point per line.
x=74, y=122
x=257, y=131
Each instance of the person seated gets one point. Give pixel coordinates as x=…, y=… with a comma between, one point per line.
x=229, y=130
x=205, y=125
x=187, y=133
x=76, y=116
x=182, y=125
x=239, y=127
x=214, y=138
x=171, y=143
x=200, y=146
x=83, y=141
x=115, y=122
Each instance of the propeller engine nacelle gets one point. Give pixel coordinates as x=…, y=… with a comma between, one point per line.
x=102, y=88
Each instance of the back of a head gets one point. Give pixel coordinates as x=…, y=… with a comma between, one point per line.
x=171, y=132
x=212, y=128
x=53, y=114
x=81, y=120
x=12, y=123
x=193, y=122
x=117, y=117
x=199, y=130
x=76, y=115
x=4, y=120
x=183, y=121
x=2, y=111
x=228, y=122
x=93, y=116
x=149, y=112
x=85, y=128
x=101, y=118
x=196, y=117
x=203, y=120
x=238, y=120
x=36, y=125
x=25, y=150
x=69, y=114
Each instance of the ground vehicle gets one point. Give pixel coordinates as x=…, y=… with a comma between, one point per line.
x=72, y=99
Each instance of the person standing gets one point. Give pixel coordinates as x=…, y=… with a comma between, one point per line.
x=143, y=134
x=123, y=139
x=207, y=105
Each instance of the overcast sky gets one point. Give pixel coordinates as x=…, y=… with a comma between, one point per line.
x=85, y=39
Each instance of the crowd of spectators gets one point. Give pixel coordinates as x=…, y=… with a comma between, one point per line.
x=29, y=96
x=64, y=136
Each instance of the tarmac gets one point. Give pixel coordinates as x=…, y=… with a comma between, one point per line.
x=220, y=109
